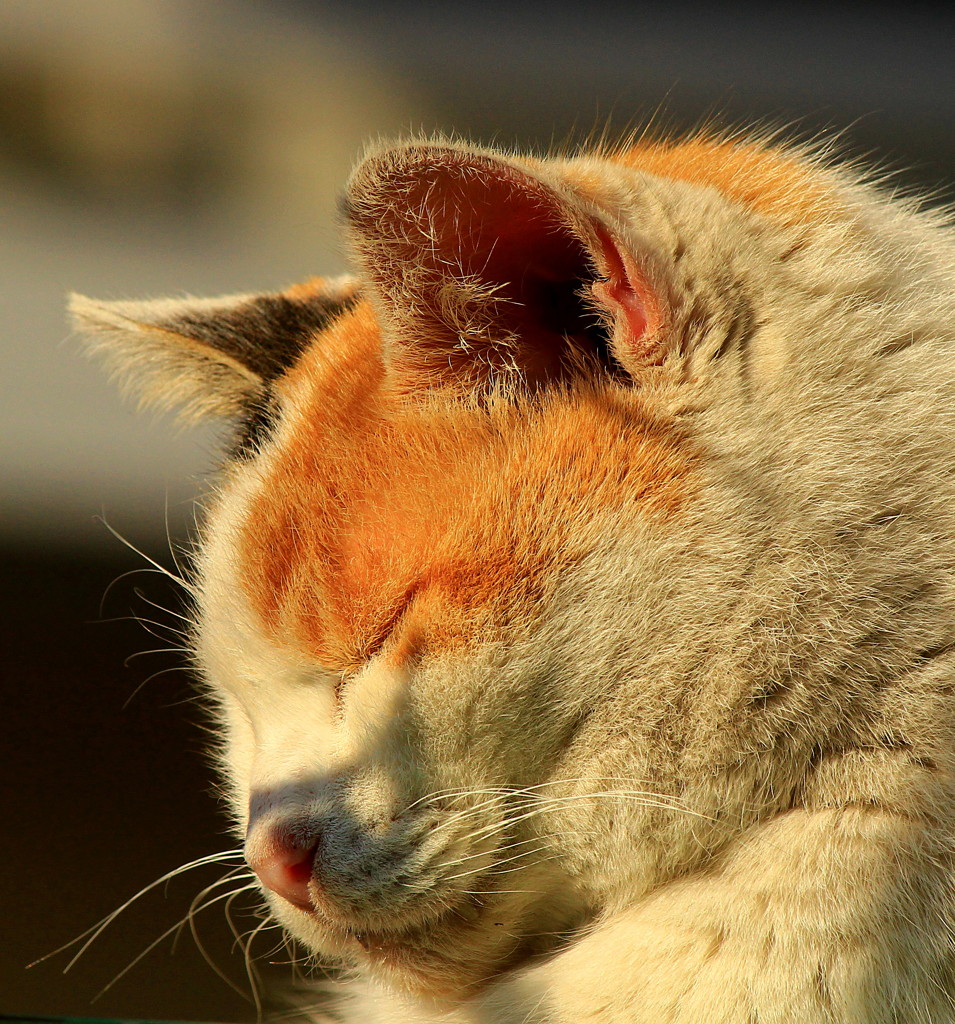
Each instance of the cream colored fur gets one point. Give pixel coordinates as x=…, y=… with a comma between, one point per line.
x=711, y=781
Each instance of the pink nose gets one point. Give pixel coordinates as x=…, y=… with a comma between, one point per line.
x=285, y=868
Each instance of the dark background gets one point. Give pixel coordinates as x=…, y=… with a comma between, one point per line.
x=164, y=146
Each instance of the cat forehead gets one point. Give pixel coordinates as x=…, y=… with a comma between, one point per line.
x=370, y=510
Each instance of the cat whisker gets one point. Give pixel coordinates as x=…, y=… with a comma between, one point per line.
x=154, y=650
x=243, y=941
x=150, y=625
x=255, y=982
x=446, y=823
x=175, y=577
x=149, y=679
x=173, y=554
x=279, y=944
x=122, y=576
x=88, y=937
x=503, y=892
x=511, y=846
x=497, y=865
x=153, y=675
x=483, y=870
x=458, y=792
x=498, y=870
x=504, y=791
x=295, y=960
x=162, y=608
x=549, y=805
x=169, y=931
x=238, y=874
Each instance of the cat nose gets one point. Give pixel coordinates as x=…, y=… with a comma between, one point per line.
x=284, y=866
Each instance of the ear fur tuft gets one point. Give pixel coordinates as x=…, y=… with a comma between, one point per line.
x=160, y=365
x=208, y=357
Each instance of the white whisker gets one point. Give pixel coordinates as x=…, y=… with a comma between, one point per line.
x=162, y=608
x=255, y=983
x=93, y=933
x=155, y=650
x=122, y=576
x=149, y=679
x=237, y=874
x=147, y=624
x=169, y=931
x=174, y=576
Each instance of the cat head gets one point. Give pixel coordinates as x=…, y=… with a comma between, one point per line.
x=489, y=596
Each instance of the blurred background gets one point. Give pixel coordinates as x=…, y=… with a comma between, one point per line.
x=153, y=147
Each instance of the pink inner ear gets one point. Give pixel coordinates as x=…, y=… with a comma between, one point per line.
x=506, y=230
x=481, y=264
x=629, y=297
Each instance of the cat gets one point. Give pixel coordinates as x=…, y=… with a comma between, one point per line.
x=578, y=596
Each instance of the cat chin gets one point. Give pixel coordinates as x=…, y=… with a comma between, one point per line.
x=451, y=957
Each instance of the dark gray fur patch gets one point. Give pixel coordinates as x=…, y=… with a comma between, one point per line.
x=254, y=426
x=266, y=334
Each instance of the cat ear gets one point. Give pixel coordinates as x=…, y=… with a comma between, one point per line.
x=209, y=357
x=483, y=269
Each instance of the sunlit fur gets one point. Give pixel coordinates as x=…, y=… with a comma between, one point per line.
x=610, y=688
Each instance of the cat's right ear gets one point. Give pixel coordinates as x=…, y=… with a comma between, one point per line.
x=208, y=357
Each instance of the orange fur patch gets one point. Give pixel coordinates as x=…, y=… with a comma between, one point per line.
x=764, y=179
x=450, y=519
x=307, y=289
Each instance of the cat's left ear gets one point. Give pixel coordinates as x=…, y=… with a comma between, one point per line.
x=486, y=268
x=209, y=357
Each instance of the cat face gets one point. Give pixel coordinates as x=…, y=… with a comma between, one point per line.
x=510, y=591
x=420, y=633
